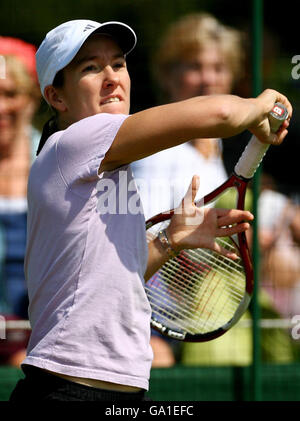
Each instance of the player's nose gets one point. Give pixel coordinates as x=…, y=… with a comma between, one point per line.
x=111, y=78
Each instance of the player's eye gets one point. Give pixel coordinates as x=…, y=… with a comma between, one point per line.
x=90, y=68
x=119, y=64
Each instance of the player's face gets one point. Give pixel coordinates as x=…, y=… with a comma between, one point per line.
x=96, y=81
x=204, y=73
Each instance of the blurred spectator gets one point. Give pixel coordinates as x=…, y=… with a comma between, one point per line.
x=197, y=56
x=19, y=98
x=279, y=221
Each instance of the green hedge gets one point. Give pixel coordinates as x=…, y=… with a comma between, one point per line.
x=279, y=383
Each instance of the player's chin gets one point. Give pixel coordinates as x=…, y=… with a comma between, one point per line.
x=115, y=108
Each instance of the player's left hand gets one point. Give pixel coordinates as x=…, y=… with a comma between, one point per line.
x=194, y=227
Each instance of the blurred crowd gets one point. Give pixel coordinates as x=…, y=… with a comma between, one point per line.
x=197, y=55
x=19, y=100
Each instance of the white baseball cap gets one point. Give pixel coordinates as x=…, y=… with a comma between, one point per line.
x=62, y=44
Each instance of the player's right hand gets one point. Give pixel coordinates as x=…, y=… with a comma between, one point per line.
x=265, y=103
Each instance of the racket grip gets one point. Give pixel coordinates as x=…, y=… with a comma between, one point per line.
x=251, y=158
x=255, y=150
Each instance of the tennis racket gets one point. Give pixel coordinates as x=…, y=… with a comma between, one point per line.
x=199, y=295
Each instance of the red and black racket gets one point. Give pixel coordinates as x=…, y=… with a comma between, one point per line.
x=200, y=294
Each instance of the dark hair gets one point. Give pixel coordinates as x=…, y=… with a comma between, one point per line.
x=59, y=79
x=51, y=126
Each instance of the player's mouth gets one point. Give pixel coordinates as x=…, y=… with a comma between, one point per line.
x=111, y=99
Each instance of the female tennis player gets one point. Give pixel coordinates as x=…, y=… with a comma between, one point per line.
x=87, y=255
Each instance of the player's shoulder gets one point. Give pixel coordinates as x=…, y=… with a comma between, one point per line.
x=95, y=121
x=95, y=129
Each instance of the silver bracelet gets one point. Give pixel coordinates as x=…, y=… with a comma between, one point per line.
x=164, y=241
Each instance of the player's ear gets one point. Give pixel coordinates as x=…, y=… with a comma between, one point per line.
x=54, y=98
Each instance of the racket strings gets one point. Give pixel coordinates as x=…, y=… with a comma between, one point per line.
x=198, y=291
x=187, y=280
x=184, y=315
x=191, y=305
x=235, y=272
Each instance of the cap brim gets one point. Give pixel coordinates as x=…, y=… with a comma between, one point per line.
x=121, y=33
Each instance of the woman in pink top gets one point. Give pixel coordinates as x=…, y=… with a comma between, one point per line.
x=87, y=256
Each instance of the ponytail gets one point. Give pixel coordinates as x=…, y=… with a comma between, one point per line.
x=49, y=128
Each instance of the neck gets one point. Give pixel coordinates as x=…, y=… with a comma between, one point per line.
x=62, y=122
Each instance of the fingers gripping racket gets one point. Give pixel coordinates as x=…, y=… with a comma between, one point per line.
x=199, y=294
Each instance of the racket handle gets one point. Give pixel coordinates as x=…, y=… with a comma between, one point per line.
x=255, y=150
x=251, y=158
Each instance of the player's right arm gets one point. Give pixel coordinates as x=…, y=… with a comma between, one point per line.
x=162, y=127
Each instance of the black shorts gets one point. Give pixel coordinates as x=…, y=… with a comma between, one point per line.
x=39, y=385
